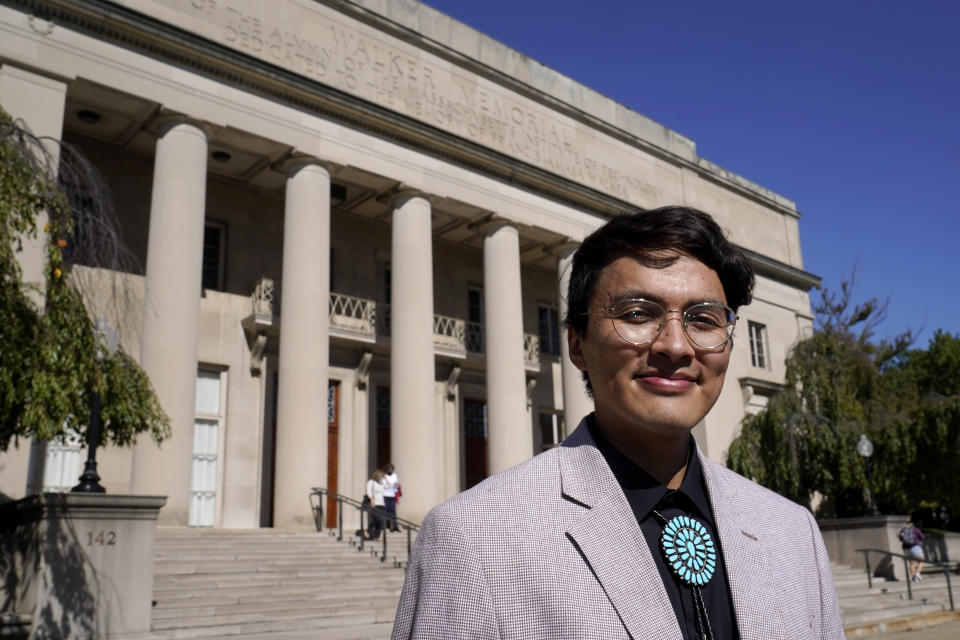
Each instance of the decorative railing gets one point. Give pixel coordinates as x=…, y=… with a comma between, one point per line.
x=258, y=324
x=262, y=297
x=353, y=314
x=449, y=332
x=365, y=316
x=531, y=349
x=475, y=337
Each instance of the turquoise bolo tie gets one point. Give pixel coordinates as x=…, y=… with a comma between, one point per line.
x=692, y=556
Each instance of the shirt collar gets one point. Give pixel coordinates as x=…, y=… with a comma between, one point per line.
x=643, y=491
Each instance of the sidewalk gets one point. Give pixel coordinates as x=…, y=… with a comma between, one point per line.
x=944, y=626
x=946, y=631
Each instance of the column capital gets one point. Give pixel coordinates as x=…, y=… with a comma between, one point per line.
x=397, y=196
x=296, y=161
x=564, y=248
x=164, y=122
x=491, y=222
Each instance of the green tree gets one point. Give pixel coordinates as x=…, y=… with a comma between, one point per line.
x=840, y=383
x=934, y=436
x=51, y=358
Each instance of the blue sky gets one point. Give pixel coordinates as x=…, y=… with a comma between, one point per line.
x=848, y=108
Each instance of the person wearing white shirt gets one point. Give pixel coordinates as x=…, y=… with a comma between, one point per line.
x=392, y=488
x=375, y=491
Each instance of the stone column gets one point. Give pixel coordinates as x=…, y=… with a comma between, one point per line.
x=301, y=447
x=171, y=312
x=39, y=101
x=509, y=431
x=413, y=441
x=576, y=403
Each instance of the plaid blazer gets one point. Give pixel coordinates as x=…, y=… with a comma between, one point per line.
x=551, y=549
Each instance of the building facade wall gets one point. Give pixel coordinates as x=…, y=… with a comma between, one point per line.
x=482, y=136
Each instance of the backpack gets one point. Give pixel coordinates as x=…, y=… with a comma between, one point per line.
x=908, y=535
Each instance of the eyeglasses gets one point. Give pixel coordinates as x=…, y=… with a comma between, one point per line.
x=707, y=325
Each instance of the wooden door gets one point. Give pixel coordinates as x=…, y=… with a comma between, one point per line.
x=474, y=441
x=383, y=426
x=333, y=435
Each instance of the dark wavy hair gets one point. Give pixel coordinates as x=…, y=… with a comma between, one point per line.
x=646, y=235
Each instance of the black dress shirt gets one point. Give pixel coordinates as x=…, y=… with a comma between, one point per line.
x=645, y=495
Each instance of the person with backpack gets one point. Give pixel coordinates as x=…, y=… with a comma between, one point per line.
x=911, y=537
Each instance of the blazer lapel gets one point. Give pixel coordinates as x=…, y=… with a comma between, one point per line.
x=611, y=543
x=749, y=571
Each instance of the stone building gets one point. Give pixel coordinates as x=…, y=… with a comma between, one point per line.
x=354, y=219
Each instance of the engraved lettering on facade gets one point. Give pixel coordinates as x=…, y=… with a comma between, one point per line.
x=372, y=69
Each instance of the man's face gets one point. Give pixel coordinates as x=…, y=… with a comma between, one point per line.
x=663, y=388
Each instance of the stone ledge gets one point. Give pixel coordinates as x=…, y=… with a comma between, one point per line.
x=92, y=506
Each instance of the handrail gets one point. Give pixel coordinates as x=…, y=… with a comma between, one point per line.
x=906, y=568
x=317, y=508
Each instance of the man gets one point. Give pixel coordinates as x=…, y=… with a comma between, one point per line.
x=626, y=530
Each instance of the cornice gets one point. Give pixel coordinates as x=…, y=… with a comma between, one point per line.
x=143, y=34
x=702, y=166
x=160, y=40
x=782, y=272
x=762, y=387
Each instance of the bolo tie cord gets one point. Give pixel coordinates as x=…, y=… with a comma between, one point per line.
x=690, y=553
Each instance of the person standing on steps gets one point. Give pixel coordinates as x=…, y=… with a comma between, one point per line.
x=911, y=539
x=375, y=489
x=392, y=485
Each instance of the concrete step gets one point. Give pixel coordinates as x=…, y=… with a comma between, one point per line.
x=184, y=575
x=861, y=605
x=250, y=598
x=376, y=631
x=245, y=594
x=315, y=603
x=872, y=616
x=327, y=617
x=240, y=583
x=228, y=584
x=343, y=628
x=888, y=601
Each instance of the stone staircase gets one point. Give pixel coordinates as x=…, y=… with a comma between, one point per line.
x=262, y=583
x=225, y=583
x=862, y=607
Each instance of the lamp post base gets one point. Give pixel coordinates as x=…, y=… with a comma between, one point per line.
x=89, y=480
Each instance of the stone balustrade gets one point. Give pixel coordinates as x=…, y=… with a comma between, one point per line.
x=364, y=317
x=531, y=350
x=353, y=314
x=449, y=332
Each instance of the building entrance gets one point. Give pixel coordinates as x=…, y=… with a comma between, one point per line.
x=333, y=437
x=474, y=441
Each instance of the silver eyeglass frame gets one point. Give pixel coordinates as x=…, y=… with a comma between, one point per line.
x=681, y=316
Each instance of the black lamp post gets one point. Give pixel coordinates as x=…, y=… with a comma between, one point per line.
x=865, y=449
x=89, y=479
